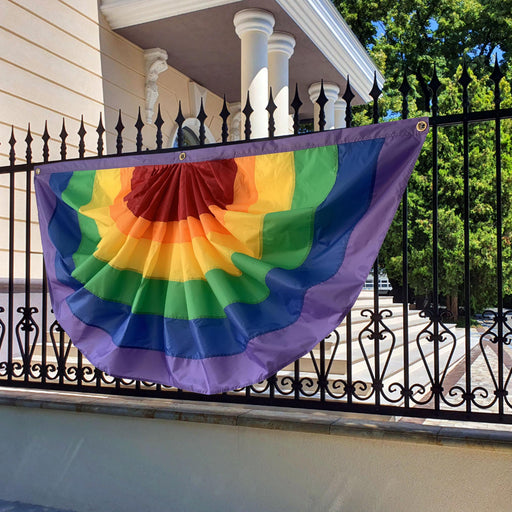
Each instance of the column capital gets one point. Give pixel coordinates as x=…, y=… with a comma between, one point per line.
x=253, y=20
x=281, y=42
x=331, y=91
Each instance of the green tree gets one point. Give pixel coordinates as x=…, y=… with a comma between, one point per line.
x=412, y=36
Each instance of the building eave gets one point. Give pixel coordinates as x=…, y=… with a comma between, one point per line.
x=339, y=53
x=348, y=55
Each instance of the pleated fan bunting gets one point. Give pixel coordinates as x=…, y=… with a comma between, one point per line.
x=213, y=268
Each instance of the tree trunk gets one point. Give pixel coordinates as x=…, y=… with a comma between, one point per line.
x=452, y=303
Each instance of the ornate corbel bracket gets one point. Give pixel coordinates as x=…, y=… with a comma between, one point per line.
x=156, y=63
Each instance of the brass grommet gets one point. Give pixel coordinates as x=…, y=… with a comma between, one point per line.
x=183, y=156
x=38, y=171
x=421, y=126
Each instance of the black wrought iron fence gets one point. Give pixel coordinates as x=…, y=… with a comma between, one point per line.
x=386, y=357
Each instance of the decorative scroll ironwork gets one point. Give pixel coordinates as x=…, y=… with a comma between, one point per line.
x=27, y=335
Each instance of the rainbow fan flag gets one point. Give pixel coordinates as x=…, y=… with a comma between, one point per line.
x=212, y=269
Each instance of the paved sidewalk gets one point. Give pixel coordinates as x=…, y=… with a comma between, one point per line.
x=16, y=506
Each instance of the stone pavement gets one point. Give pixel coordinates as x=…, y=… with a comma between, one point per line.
x=16, y=506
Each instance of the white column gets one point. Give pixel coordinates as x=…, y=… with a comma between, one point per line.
x=234, y=121
x=253, y=27
x=280, y=49
x=340, y=112
x=331, y=92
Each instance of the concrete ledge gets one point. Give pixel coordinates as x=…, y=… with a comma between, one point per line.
x=293, y=420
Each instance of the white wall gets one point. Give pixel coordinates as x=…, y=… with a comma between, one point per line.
x=60, y=59
x=97, y=462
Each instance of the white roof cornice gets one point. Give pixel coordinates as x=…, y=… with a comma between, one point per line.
x=348, y=56
x=125, y=13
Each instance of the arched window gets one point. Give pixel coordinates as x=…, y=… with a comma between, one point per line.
x=189, y=138
x=191, y=134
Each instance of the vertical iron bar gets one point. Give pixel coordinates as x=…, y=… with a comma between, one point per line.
x=81, y=143
x=138, y=139
x=159, y=123
x=322, y=378
x=224, y=114
x=436, y=391
x=272, y=386
x=119, y=138
x=63, y=135
x=247, y=111
x=61, y=361
x=321, y=102
x=348, y=96
x=28, y=211
x=296, y=379
x=180, y=119
x=10, y=315
x=97, y=373
x=79, y=376
x=46, y=138
x=100, y=131
x=44, y=324
x=79, y=370
x=405, y=89
x=44, y=298
x=296, y=104
x=378, y=384
x=201, y=117
x=405, y=295
x=375, y=93
x=349, y=385
x=271, y=108
x=496, y=77
x=464, y=81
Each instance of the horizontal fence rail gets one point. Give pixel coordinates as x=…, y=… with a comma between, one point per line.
x=385, y=358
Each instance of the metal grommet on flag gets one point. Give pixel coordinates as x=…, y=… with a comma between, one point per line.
x=183, y=156
x=38, y=171
x=421, y=126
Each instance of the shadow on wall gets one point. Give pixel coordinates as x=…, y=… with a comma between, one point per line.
x=123, y=72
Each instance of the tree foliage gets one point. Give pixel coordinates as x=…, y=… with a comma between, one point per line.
x=413, y=36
